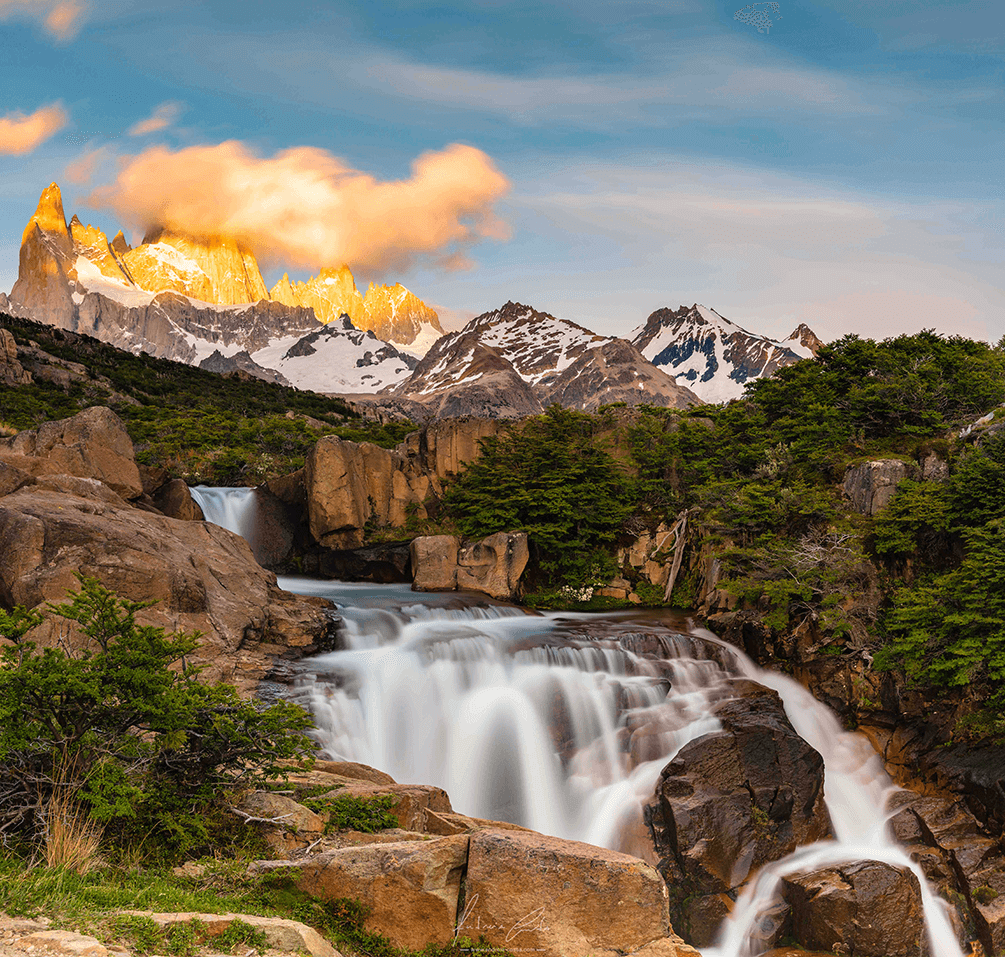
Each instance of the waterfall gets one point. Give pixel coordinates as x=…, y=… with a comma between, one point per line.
x=553, y=723
x=232, y=508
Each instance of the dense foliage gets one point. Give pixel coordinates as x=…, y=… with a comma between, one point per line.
x=125, y=727
x=553, y=478
x=201, y=426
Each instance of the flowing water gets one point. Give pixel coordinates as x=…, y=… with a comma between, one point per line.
x=563, y=722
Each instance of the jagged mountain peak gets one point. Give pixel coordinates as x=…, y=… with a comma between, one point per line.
x=713, y=356
x=48, y=215
x=803, y=337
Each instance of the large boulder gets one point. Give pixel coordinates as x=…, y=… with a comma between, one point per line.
x=867, y=908
x=556, y=898
x=200, y=576
x=731, y=801
x=92, y=444
x=492, y=565
x=11, y=371
x=411, y=888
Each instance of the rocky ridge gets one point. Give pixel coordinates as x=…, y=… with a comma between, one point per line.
x=185, y=298
x=712, y=356
x=516, y=361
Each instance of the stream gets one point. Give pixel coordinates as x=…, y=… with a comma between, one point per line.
x=562, y=722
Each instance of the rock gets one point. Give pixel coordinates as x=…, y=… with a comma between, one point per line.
x=731, y=801
x=385, y=562
x=190, y=869
x=11, y=371
x=493, y=565
x=872, y=485
x=288, y=936
x=61, y=942
x=202, y=577
x=92, y=444
x=285, y=825
x=175, y=500
x=934, y=468
x=12, y=478
x=870, y=908
x=411, y=887
x=434, y=562
x=557, y=898
x=446, y=446
x=411, y=801
x=350, y=484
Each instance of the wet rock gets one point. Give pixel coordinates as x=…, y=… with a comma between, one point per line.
x=872, y=485
x=385, y=562
x=434, y=562
x=731, y=801
x=869, y=909
x=528, y=892
x=92, y=444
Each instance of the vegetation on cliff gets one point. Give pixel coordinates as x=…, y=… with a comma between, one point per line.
x=200, y=426
x=921, y=583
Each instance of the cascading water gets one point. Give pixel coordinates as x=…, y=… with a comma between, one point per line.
x=231, y=508
x=564, y=723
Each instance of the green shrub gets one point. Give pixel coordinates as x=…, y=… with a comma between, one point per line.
x=348, y=813
x=127, y=725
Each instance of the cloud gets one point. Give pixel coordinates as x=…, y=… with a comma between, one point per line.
x=161, y=118
x=20, y=134
x=62, y=19
x=306, y=208
x=769, y=251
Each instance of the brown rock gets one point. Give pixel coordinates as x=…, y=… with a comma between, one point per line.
x=61, y=942
x=411, y=888
x=525, y=891
x=12, y=478
x=285, y=825
x=11, y=371
x=174, y=500
x=411, y=801
x=202, y=577
x=92, y=444
x=870, y=908
x=434, y=562
x=872, y=485
x=731, y=801
x=494, y=565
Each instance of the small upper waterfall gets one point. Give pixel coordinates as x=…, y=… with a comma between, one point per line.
x=232, y=508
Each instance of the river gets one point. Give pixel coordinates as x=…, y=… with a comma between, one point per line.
x=563, y=722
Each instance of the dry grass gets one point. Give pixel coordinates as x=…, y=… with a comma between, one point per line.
x=71, y=836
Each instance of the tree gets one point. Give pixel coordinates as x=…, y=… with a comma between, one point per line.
x=552, y=479
x=126, y=725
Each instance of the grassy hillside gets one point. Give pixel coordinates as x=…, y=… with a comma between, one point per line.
x=200, y=426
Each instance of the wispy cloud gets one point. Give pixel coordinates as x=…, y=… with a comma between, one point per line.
x=61, y=19
x=21, y=133
x=307, y=208
x=773, y=251
x=160, y=119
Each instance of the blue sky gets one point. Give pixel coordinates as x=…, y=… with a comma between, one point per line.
x=843, y=166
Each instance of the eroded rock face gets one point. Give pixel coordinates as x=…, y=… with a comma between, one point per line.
x=730, y=802
x=529, y=892
x=493, y=565
x=868, y=909
x=11, y=371
x=202, y=577
x=92, y=444
x=872, y=485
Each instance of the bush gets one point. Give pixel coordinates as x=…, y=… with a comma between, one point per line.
x=125, y=725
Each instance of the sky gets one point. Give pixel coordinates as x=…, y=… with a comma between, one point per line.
x=834, y=162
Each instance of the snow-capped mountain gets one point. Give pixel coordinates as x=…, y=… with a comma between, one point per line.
x=517, y=361
x=712, y=356
x=202, y=302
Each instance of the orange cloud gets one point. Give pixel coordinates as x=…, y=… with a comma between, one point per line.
x=305, y=208
x=20, y=134
x=62, y=19
x=160, y=119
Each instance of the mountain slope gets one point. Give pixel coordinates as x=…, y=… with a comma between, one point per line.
x=518, y=361
x=714, y=357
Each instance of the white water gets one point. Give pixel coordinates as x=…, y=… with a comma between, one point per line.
x=231, y=508
x=526, y=718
